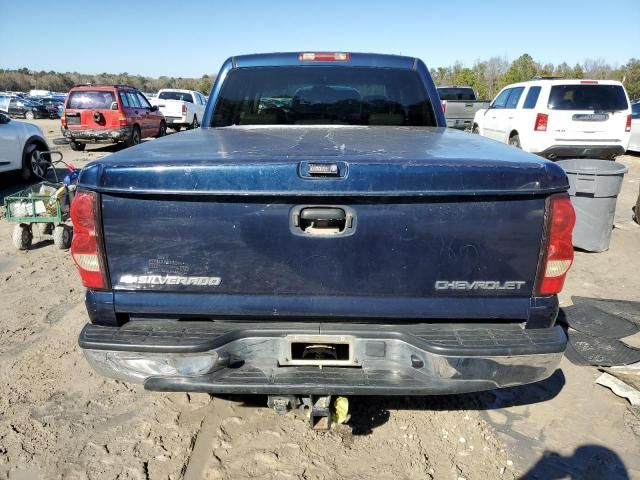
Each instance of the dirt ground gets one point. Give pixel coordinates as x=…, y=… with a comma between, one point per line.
x=60, y=420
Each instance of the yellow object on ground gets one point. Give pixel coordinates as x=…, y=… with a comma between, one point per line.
x=340, y=410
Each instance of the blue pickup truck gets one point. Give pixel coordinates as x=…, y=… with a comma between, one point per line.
x=323, y=234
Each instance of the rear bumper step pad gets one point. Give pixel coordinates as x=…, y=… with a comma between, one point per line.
x=407, y=359
x=443, y=339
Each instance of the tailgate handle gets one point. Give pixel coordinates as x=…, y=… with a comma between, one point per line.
x=323, y=220
x=323, y=214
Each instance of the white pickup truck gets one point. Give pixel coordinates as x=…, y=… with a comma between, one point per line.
x=181, y=108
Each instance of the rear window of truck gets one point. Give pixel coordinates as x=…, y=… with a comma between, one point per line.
x=587, y=97
x=320, y=95
x=94, y=99
x=185, y=97
x=451, y=93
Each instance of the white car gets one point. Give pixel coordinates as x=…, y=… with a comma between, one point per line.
x=560, y=118
x=19, y=142
x=634, y=143
x=181, y=108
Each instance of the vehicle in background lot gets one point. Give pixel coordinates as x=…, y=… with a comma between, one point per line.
x=321, y=235
x=5, y=98
x=181, y=108
x=634, y=142
x=109, y=113
x=52, y=105
x=40, y=93
x=557, y=118
x=19, y=144
x=22, y=107
x=460, y=105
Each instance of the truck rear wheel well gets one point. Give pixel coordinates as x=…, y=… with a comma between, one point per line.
x=513, y=133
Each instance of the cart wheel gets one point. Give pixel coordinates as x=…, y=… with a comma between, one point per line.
x=62, y=236
x=45, y=228
x=22, y=236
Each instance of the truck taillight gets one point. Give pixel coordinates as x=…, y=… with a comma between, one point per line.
x=541, y=122
x=184, y=108
x=122, y=119
x=557, y=257
x=627, y=127
x=444, y=106
x=85, y=250
x=63, y=120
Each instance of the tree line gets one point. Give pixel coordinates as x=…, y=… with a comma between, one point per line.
x=487, y=76
x=23, y=80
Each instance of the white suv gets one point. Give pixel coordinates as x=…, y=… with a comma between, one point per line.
x=560, y=118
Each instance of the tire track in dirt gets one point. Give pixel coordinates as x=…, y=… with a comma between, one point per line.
x=415, y=440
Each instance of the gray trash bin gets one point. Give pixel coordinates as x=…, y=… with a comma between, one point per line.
x=594, y=186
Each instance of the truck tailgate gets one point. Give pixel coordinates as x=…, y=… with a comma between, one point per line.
x=401, y=247
x=460, y=113
x=416, y=228
x=170, y=108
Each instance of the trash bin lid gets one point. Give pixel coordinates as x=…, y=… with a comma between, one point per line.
x=589, y=166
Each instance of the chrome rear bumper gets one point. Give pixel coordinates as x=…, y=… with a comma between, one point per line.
x=408, y=359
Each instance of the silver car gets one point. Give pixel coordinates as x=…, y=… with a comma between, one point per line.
x=634, y=143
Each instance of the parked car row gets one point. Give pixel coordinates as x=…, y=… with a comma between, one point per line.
x=91, y=114
x=23, y=107
x=558, y=118
x=109, y=113
x=122, y=113
x=54, y=104
x=551, y=117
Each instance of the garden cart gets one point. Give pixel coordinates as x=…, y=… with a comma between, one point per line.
x=44, y=205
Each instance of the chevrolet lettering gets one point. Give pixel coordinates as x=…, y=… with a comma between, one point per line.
x=479, y=285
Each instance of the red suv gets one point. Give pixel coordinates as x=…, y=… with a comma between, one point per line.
x=109, y=113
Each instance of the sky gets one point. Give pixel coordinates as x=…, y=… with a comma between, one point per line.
x=191, y=38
